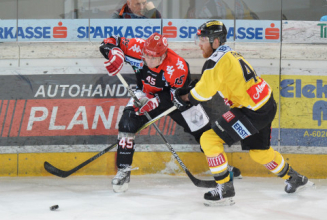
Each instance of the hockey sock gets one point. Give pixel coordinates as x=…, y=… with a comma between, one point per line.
x=213, y=148
x=125, y=152
x=218, y=167
x=272, y=160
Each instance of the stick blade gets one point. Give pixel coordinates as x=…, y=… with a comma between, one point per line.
x=55, y=171
x=201, y=183
x=205, y=183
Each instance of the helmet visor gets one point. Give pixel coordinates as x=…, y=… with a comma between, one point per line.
x=152, y=61
x=200, y=40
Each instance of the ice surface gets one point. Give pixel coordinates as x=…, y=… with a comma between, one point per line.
x=153, y=197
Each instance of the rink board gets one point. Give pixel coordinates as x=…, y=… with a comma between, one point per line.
x=31, y=164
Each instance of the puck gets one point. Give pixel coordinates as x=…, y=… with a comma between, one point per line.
x=54, y=207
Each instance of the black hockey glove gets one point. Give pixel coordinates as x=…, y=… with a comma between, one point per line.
x=178, y=102
x=192, y=84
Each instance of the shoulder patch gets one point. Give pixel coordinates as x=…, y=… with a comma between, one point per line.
x=216, y=56
x=221, y=51
x=224, y=48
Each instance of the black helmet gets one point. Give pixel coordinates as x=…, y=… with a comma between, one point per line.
x=213, y=29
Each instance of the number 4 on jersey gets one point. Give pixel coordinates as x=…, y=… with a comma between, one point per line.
x=248, y=71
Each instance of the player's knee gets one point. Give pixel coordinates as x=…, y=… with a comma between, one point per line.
x=128, y=122
x=130, y=136
x=211, y=143
x=262, y=156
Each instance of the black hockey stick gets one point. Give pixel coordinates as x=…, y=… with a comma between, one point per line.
x=61, y=173
x=197, y=182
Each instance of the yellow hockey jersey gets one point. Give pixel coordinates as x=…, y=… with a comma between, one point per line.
x=229, y=74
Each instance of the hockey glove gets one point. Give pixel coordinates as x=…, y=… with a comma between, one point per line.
x=107, y=44
x=148, y=104
x=180, y=104
x=115, y=61
x=189, y=88
x=192, y=84
x=142, y=97
x=139, y=95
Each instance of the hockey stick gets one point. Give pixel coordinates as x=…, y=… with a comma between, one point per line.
x=197, y=182
x=61, y=173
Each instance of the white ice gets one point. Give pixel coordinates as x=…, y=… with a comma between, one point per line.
x=154, y=197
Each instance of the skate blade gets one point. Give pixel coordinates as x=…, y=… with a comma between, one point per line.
x=306, y=186
x=120, y=188
x=223, y=202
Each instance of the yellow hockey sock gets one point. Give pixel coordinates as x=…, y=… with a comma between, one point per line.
x=272, y=160
x=213, y=148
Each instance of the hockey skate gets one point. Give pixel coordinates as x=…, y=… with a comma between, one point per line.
x=296, y=182
x=121, y=180
x=222, y=195
x=234, y=172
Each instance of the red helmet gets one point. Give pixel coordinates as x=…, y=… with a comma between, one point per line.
x=156, y=45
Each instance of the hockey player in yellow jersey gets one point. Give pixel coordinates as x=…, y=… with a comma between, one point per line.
x=252, y=110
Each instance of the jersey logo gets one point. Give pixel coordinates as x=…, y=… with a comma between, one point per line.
x=136, y=48
x=170, y=70
x=134, y=62
x=151, y=73
x=224, y=48
x=218, y=125
x=228, y=116
x=180, y=65
x=140, y=40
x=241, y=130
x=258, y=92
